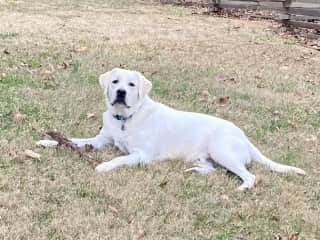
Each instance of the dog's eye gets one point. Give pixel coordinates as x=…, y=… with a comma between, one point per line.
x=131, y=84
x=115, y=81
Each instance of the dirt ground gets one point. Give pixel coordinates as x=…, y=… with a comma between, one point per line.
x=51, y=54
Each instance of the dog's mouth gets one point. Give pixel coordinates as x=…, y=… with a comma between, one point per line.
x=120, y=101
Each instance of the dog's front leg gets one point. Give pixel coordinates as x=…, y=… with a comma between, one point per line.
x=129, y=160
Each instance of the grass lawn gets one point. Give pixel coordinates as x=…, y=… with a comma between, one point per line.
x=51, y=54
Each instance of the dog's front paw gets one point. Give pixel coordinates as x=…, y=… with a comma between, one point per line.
x=105, y=167
x=47, y=143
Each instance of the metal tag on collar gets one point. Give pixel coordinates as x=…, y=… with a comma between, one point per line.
x=122, y=125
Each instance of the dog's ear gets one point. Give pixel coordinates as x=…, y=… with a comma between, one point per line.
x=145, y=86
x=104, y=80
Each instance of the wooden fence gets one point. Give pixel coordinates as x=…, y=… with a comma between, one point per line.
x=300, y=13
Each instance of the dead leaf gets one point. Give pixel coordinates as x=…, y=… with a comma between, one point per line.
x=91, y=115
x=244, y=236
x=205, y=93
x=224, y=197
x=258, y=76
x=64, y=65
x=284, y=68
x=276, y=113
x=17, y=117
x=81, y=49
x=257, y=182
x=113, y=209
x=290, y=236
x=32, y=154
x=222, y=100
x=6, y=51
x=88, y=148
x=261, y=85
x=223, y=78
x=140, y=234
x=3, y=75
x=47, y=72
x=153, y=73
x=163, y=183
x=311, y=138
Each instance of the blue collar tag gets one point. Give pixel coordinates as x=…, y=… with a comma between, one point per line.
x=123, y=120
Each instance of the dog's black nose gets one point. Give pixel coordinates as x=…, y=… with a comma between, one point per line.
x=121, y=93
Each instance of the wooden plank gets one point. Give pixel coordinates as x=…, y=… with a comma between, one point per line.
x=258, y=1
x=305, y=11
x=251, y=6
x=315, y=12
x=307, y=1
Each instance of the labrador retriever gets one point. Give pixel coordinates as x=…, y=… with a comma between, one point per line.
x=149, y=131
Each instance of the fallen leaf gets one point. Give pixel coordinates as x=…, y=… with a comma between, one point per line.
x=205, y=93
x=258, y=76
x=64, y=65
x=88, y=147
x=140, y=234
x=17, y=117
x=163, y=183
x=276, y=113
x=222, y=100
x=47, y=72
x=224, y=197
x=311, y=138
x=81, y=49
x=223, y=78
x=244, y=236
x=91, y=115
x=284, y=68
x=261, y=85
x=113, y=209
x=291, y=236
x=32, y=154
x=3, y=75
x=257, y=182
x=153, y=73
x=6, y=51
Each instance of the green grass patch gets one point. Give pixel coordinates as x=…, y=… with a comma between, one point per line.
x=11, y=81
x=291, y=157
x=8, y=35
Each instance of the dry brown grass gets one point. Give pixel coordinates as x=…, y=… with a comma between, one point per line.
x=56, y=51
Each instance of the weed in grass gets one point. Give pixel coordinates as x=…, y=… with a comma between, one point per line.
x=10, y=81
x=55, y=234
x=43, y=218
x=8, y=35
x=278, y=124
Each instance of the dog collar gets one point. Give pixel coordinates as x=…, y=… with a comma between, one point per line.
x=123, y=120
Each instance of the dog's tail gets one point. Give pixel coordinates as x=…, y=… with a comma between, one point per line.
x=257, y=156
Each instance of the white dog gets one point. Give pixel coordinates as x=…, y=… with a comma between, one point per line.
x=149, y=131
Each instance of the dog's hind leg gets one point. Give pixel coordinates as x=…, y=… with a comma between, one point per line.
x=232, y=153
x=204, y=166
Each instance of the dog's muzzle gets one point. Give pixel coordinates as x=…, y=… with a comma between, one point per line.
x=120, y=98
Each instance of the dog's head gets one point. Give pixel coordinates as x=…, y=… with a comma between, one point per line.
x=124, y=89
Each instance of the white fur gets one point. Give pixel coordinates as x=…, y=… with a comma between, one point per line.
x=157, y=132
